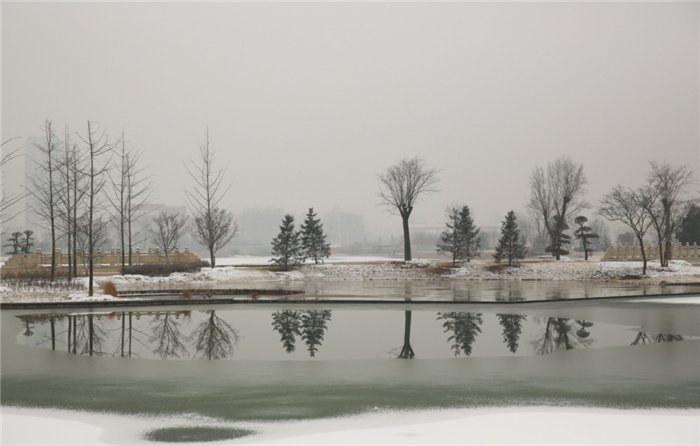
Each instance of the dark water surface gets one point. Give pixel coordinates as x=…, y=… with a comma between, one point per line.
x=273, y=361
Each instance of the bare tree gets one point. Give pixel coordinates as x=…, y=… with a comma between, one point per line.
x=43, y=186
x=7, y=201
x=669, y=182
x=71, y=193
x=400, y=186
x=138, y=192
x=167, y=232
x=129, y=192
x=556, y=193
x=213, y=227
x=628, y=207
x=98, y=145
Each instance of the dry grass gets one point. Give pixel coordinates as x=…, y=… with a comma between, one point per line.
x=109, y=288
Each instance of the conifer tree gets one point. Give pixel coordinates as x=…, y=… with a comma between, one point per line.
x=584, y=233
x=510, y=246
x=460, y=239
x=468, y=234
x=313, y=240
x=286, y=247
x=449, y=243
x=560, y=240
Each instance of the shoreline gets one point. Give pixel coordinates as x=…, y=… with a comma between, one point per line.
x=259, y=282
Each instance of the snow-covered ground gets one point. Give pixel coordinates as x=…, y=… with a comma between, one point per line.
x=530, y=425
x=362, y=270
x=266, y=260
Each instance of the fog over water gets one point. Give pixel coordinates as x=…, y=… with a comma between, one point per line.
x=306, y=103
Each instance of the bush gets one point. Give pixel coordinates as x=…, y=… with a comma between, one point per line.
x=109, y=288
x=165, y=269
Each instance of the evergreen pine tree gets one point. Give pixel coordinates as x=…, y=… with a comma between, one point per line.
x=510, y=246
x=560, y=239
x=468, y=235
x=313, y=240
x=450, y=243
x=584, y=233
x=286, y=247
x=688, y=230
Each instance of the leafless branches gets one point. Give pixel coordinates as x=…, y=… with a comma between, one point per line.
x=213, y=227
x=129, y=192
x=43, y=186
x=555, y=193
x=167, y=232
x=98, y=146
x=401, y=185
x=668, y=183
x=8, y=201
x=629, y=208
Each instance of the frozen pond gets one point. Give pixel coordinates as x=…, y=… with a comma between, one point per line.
x=617, y=354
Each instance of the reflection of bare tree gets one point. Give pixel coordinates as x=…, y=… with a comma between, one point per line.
x=407, y=350
x=561, y=334
x=88, y=336
x=644, y=338
x=167, y=335
x=313, y=328
x=288, y=324
x=215, y=338
x=512, y=327
x=464, y=328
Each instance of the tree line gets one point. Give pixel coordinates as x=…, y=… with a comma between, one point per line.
x=557, y=198
x=88, y=180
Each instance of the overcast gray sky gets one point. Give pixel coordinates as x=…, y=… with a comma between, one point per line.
x=307, y=102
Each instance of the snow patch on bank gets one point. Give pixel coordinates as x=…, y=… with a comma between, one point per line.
x=564, y=425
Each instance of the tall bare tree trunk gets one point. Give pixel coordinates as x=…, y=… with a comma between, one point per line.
x=406, y=238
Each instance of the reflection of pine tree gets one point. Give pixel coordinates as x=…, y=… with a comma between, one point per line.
x=313, y=328
x=561, y=334
x=215, y=338
x=167, y=336
x=512, y=327
x=464, y=328
x=643, y=338
x=288, y=324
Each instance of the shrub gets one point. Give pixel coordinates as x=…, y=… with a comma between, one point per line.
x=109, y=288
x=165, y=269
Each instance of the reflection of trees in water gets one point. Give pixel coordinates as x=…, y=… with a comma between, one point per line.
x=512, y=327
x=90, y=336
x=643, y=338
x=464, y=328
x=30, y=321
x=288, y=324
x=166, y=335
x=215, y=338
x=313, y=328
x=311, y=325
x=406, y=350
x=562, y=334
